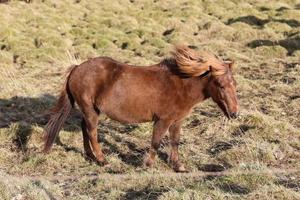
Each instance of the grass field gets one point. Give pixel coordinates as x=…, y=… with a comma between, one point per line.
x=256, y=156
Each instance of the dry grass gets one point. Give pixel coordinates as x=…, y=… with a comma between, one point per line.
x=39, y=40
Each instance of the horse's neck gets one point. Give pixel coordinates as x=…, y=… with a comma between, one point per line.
x=195, y=88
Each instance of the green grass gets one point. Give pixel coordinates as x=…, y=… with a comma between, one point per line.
x=258, y=153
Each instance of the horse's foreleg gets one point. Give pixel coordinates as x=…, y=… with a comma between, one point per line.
x=159, y=128
x=174, y=131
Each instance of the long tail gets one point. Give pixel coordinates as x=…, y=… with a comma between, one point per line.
x=59, y=114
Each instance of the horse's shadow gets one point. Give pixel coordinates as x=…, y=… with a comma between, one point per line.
x=133, y=158
x=33, y=111
x=26, y=112
x=136, y=153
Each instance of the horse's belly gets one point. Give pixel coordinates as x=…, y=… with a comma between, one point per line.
x=128, y=115
x=127, y=110
x=132, y=99
x=128, y=119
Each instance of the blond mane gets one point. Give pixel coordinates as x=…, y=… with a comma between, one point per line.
x=192, y=63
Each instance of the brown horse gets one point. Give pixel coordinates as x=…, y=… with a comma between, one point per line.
x=164, y=93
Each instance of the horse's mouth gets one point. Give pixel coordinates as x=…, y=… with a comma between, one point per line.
x=230, y=115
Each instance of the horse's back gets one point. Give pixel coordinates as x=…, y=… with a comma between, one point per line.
x=125, y=93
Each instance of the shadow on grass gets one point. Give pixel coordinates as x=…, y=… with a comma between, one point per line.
x=221, y=146
x=234, y=188
x=241, y=130
x=227, y=185
x=251, y=20
x=145, y=193
x=214, y=167
x=255, y=21
x=291, y=43
x=115, y=131
x=28, y=111
x=291, y=182
x=136, y=154
x=133, y=158
x=69, y=148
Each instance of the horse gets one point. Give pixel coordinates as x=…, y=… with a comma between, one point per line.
x=163, y=93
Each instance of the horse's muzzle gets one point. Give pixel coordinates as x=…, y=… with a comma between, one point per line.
x=233, y=115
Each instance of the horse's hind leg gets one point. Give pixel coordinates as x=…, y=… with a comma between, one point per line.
x=86, y=141
x=91, y=122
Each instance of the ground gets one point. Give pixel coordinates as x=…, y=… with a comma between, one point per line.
x=256, y=156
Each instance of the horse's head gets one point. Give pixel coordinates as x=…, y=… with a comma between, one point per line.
x=221, y=85
x=222, y=89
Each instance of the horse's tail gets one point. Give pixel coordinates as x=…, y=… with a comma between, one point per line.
x=59, y=114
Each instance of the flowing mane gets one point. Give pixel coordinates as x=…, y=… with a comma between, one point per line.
x=190, y=63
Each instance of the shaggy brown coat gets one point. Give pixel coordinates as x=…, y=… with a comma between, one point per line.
x=164, y=93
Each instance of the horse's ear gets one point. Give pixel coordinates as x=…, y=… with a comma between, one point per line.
x=230, y=64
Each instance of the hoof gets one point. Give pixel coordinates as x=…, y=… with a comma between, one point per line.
x=102, y=162
x=89, y=156
x=148, y=162
x=179, y=167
